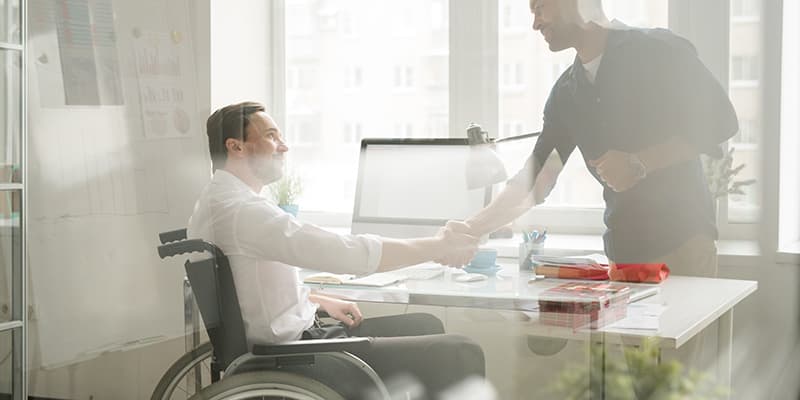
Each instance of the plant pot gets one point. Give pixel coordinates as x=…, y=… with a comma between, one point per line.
x=290, y=208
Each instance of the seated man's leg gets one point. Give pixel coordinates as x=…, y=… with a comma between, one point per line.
x=437, y=361
x=399, y=325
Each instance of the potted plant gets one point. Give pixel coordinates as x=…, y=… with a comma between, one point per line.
x=720, y=173
x=636, y=374
x=286, y=191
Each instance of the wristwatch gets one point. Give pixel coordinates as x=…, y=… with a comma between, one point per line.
x=637, y=166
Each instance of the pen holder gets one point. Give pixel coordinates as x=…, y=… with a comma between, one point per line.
x=527, y=249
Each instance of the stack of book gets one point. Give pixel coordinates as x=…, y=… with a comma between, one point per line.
x=592, y=267
x=581, y=304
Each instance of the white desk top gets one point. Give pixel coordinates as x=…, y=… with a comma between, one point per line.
x=692, y=304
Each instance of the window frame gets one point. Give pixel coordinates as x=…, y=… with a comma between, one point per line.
x=474, y=83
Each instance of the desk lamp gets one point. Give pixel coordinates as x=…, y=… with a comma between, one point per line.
x=484, y=167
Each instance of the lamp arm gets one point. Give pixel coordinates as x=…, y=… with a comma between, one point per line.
x=519, y=137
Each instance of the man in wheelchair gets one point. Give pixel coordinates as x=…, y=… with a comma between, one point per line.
x=264, y=245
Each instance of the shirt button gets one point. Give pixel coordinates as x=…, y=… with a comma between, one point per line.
x=597, y=100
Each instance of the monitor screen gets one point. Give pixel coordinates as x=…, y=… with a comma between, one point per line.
x=412, y=182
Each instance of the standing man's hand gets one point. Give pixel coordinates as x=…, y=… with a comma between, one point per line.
x=619, y=170
x=459, y=244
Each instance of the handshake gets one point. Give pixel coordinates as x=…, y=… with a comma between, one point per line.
x=458, y=244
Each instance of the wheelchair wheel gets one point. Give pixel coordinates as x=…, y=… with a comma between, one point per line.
x=267, y=385
x=181, y=380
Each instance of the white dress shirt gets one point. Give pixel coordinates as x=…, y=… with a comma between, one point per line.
x=265, y=245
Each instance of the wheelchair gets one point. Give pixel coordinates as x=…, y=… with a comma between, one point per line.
x=304, y=369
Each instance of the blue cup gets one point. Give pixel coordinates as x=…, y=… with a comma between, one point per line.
x=484, y=258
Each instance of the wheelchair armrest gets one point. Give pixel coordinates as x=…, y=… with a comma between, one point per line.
x=312, y=346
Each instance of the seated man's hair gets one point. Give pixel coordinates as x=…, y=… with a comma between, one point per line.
x=226, y=123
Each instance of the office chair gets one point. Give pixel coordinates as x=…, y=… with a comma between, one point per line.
x=305, y=369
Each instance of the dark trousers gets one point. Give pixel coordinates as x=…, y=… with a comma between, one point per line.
x=413, y=345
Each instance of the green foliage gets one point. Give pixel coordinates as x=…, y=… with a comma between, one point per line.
x=637, y=375
x=287, y=190
x=720, y=174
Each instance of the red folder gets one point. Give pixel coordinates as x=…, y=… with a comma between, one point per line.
x=647, y=273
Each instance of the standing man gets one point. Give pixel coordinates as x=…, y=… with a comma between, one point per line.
x=641, y=107
x=264, y=245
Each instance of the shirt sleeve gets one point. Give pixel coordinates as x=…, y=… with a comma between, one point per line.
x=554, y=138
x=699, y=105
x=266, y=232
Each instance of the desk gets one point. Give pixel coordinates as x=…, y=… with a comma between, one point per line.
x=692, y=305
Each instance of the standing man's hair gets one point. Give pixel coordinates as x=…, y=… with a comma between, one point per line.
x=229, y=122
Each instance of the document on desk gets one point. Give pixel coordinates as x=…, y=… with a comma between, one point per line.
x=640, y=316
x=374, y=280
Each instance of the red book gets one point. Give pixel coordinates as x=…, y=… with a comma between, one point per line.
x=584, y=304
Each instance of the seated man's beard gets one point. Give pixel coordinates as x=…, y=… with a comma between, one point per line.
x=268, y=170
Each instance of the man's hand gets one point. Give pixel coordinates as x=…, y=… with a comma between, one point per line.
x=614, y=168
x=343, y=311
x=459, y=244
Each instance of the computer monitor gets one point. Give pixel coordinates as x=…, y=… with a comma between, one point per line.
x=411, y=187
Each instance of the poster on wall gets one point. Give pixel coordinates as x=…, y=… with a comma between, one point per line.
x=165, y=73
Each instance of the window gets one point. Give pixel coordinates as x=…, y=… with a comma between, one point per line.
x=746, y=94
x=789, y=200
x=749, y=133
x=352, y=132
x=744, y=70
x=404, y=130
x=745, y=9
x=403, y=77
x=353, y=77
x=512, y=76
x=325, y=118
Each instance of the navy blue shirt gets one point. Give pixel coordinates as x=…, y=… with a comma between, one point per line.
x=650, y=86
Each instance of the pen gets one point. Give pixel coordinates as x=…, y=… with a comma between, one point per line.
x=542, y=237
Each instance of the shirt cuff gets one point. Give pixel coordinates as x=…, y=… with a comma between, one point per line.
x=375, y=251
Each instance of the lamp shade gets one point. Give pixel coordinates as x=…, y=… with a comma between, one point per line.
x=484, y=167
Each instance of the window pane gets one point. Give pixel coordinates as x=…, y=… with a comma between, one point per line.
x=353, y=75
x=789, y=234
x=10, y=21
x=745, y=92
x=9, y=250
x=10, y=116
x=528, y=70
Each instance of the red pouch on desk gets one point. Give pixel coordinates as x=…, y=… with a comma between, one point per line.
x=594, y=272
x=646, y=273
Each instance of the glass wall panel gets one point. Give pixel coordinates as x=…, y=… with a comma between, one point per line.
x=10, y=21
x=10, y=116
x=6, y=362
x=9, y=249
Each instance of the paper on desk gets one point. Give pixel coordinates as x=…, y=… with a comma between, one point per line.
x=641, y=316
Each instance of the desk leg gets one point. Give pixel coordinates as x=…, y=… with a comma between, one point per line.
x=725, y=350
x=597, y=366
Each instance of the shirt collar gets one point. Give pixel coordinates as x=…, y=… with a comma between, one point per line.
x=617, y=36
x=226, y=178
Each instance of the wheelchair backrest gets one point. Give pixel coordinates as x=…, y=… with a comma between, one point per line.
x=214, y=291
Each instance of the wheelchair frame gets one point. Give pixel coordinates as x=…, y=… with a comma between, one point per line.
x=235, y=371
